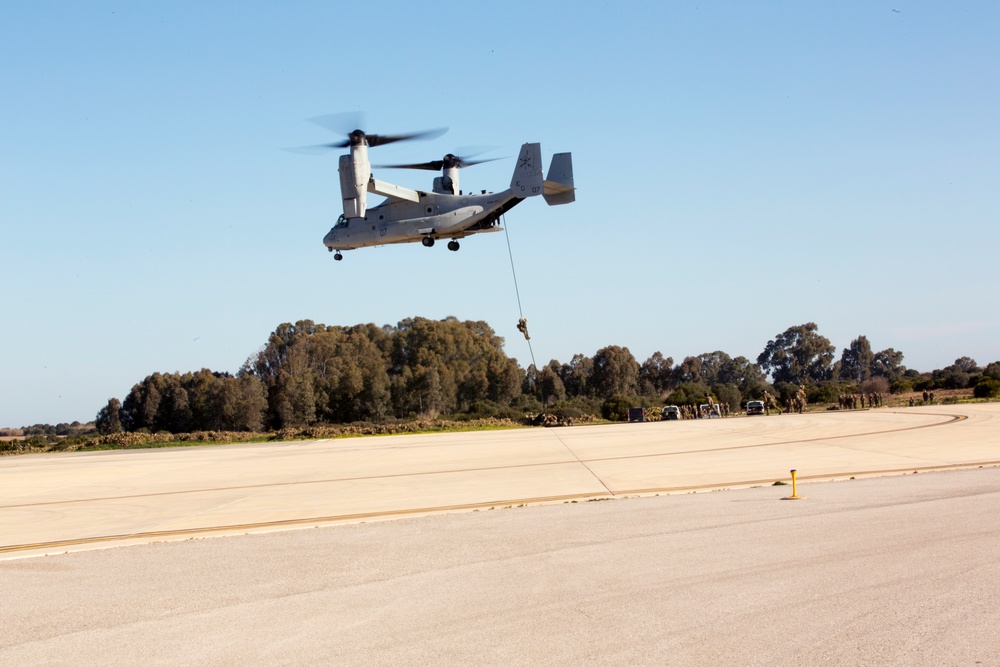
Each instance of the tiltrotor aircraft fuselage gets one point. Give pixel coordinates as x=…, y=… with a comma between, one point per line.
x=446, y=212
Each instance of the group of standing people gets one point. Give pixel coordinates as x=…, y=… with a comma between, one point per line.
x=796, y=403
x=704, y=411
x=855, y=401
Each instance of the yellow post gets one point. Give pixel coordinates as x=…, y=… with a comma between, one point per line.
x=795, y=495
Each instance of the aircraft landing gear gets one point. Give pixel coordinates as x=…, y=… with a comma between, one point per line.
x=338, y=256
x=453, y=245
x=428, y=241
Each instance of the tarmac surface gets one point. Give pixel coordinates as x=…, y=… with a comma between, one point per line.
x=898, y=569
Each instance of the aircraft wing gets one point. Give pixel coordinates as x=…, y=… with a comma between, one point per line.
x=392, y=191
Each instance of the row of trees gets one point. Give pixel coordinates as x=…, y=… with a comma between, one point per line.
x=202, y=401
x=801, y=355
x=311, y=373
x=61, y=429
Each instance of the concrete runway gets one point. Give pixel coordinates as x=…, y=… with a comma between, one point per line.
x=897, y=570
x=53, y=503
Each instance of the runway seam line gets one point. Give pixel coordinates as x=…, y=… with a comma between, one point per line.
x=340, y=518
x=291, y=522
x=585, y=466
x=953, y=419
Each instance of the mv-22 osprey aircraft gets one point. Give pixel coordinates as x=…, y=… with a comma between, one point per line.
x=445, y=212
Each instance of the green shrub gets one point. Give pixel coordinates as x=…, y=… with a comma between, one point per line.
x=486, y=409
x=827, y=391
x=901, y=387
x=689, y=393
x=987, y=388
x=728, y=393
x=578, y=407
x=616, y=408
x=786, y=391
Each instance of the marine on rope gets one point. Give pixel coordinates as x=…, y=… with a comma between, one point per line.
x=522, y=326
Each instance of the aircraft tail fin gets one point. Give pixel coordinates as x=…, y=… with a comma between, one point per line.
x=527, y=179
x=558, y=186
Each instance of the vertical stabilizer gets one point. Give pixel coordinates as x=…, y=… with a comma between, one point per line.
x=527, y=179
x=558, y=186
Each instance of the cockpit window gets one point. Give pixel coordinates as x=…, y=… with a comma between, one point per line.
x=341, y=222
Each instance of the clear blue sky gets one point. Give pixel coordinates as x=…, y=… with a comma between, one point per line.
x=741, y=168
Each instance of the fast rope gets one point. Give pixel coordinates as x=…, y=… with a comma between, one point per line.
x=518, y=293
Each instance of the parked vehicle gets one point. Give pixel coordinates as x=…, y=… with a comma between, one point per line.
x=709, y=411
x=755, y=407
x=637, y=414
x=671, y=412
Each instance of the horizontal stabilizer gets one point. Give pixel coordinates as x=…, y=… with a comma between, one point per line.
x=558, y=186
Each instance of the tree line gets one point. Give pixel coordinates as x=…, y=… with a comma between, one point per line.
x=310, y=373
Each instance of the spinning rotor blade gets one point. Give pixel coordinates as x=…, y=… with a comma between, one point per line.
x=383, y=139
x=450, y=161
x=344, y=123
x=340, y=123
x=319, y=149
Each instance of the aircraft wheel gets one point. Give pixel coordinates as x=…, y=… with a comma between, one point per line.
x=338, y=257
x=428, y=241
x=453, y=245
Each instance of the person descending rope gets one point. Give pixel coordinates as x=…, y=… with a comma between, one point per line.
x=522, y=326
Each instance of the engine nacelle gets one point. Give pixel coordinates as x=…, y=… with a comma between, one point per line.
x=447, y=183
x=355, y=170
x=444, y=186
